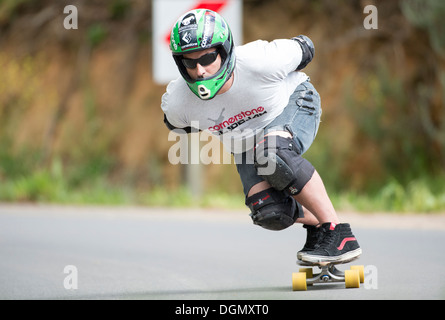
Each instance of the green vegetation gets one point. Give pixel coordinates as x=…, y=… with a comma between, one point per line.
x=423, y=196
x=89, y=184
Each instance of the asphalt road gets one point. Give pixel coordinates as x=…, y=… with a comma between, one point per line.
x=53, y=252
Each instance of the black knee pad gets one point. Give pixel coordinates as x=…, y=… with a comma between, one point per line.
x=273, y=210
x=278, y=162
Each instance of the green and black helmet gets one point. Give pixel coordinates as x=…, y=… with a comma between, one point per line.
x=198, y=30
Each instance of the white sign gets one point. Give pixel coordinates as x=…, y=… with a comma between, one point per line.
x=165, y=14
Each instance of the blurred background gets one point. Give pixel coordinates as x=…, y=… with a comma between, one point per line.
x=81, y=123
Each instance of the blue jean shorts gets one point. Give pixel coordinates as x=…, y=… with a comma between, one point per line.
x=301, y=117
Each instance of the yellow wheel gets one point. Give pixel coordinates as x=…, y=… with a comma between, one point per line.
x=352, y=279
x=361, y=271
x=299, y=281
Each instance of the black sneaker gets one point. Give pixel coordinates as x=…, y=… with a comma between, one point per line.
x=337, y=244
x=313, y=236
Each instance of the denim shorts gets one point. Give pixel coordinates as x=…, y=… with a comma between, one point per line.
x=301, y=117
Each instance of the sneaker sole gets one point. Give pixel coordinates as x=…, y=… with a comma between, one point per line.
x=344, y=258
x=300, y=254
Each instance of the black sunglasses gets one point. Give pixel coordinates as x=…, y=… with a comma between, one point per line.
x=204, y=60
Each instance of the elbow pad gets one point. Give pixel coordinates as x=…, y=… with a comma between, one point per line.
x=172, y=127
x=308, y=49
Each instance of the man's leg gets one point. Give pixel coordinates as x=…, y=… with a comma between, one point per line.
x=270, y=208
x=332, y=241
x=296, y=129
x=308, y=219
x=313, y=197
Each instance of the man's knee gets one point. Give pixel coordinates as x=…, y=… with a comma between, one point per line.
x=278, y=162
x=273, y=210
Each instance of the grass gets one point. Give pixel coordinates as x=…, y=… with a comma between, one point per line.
x=422, y=196
x=84, y=186
x=52, y=186
x=88, y=182
x=41, y=188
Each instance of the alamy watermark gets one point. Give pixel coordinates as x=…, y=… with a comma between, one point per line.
x=371, y=277
x=236, y=146
x=371, y=21
x=71, y=20
x=70, y=282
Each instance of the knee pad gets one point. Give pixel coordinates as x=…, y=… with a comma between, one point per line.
x=279, y=162
x=273, y=210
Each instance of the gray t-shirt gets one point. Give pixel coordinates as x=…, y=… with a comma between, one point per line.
x=264, y=78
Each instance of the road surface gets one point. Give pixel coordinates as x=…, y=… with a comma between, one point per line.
x=57, y=252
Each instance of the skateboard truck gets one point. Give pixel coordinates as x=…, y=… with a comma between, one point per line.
x=328, y=274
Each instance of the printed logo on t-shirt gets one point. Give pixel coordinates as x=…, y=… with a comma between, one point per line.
x=223, y=126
